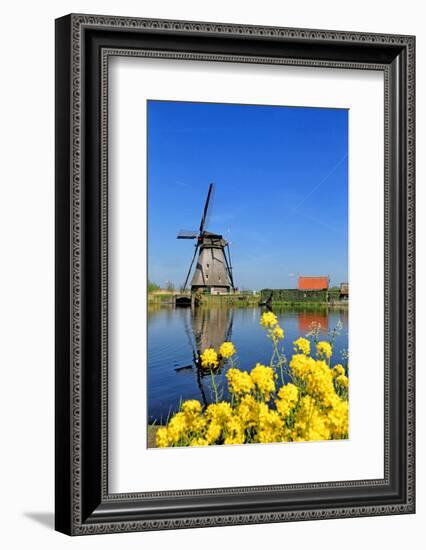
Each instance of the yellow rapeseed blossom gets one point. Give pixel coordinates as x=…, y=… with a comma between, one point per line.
x=300, y=364
x=213, y=433
x=342, y=381
x=324, y=349
x=268, y=319
x=277, y=333
x=247, y=410
x=337, y=419
x=192, y=413
x=269, y=425
x=239, y=381
x=263, y=378
x=289, y=392
x=227, y=350
x=176, y=428
x=209, y=358
x=191, y=407
x=161, y=437
x=313, y=406
x=310, y=423
x=219, y=412
x=234, y=430
x=302, y=345
x=337, y=370
x=319, y=383
x=288, y=397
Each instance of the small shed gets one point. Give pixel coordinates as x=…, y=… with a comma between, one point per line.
x=313, y=283
x=344, y=291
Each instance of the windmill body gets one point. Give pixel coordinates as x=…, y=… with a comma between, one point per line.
x=213, y=270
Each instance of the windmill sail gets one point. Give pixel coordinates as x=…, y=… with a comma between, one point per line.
x=206, y=209
x=185, y=234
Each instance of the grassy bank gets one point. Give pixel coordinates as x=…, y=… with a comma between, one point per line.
x=236, y=300
x=152, y=430
x=160, y=298
x=245, y=301
x=312, y=305
x=318, y=300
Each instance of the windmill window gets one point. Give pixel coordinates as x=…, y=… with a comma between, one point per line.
x=207, y=276
x=207, y=266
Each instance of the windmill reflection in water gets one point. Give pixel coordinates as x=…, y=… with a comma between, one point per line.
x=209, y=328
x=206, y=328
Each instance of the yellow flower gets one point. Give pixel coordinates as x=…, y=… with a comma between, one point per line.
x=300, y=365
x=311, y=424
x=247, y=411
x=316, y=377
x=319, y=383
x=269, y=425
x=219, y=412
x=342, y=381
x=263, y=378
x=209, y=358
x=314, y=407
x=268, y=319
x=192, y=413
x=338, y=421
x=277, y=333
x=337, y=370
x=239, y=381
x=227, y=349
x=213, y=432
x=191, y=407
x=176, y=428
x=324, y=349
x=161, y=437
x=288, y=396
x=302, y=345
x=234, y=432
x=289, y=392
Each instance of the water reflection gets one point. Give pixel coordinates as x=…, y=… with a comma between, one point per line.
x=211, y=326
x=307, y=318
x=176, y=336
x=205, y=328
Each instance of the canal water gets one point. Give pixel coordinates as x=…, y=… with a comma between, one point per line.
x=175, y=335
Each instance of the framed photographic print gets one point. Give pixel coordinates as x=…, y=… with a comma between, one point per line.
x=234, y=274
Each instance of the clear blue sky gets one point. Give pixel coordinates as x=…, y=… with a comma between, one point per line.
x=281, y=189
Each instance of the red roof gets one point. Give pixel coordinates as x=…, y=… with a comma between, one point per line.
x=312, y=283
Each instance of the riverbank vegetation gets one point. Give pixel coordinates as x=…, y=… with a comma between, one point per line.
x=300, y=398
x=277, y=298
x=162, y=297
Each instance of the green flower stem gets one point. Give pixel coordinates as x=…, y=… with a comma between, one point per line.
x=214, y=385
x=277, y=353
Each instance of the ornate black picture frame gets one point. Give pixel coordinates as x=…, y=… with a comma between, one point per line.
x=84, y=44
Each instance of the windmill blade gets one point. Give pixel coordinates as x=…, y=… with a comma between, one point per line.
x=229, y=266
x=185, y=234
x=190, y=267
x=228, y=337
x=206, y=207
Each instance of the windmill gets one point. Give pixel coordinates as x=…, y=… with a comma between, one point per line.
x=213, y=271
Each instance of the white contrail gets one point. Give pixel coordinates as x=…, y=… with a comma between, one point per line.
x=321, y=182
